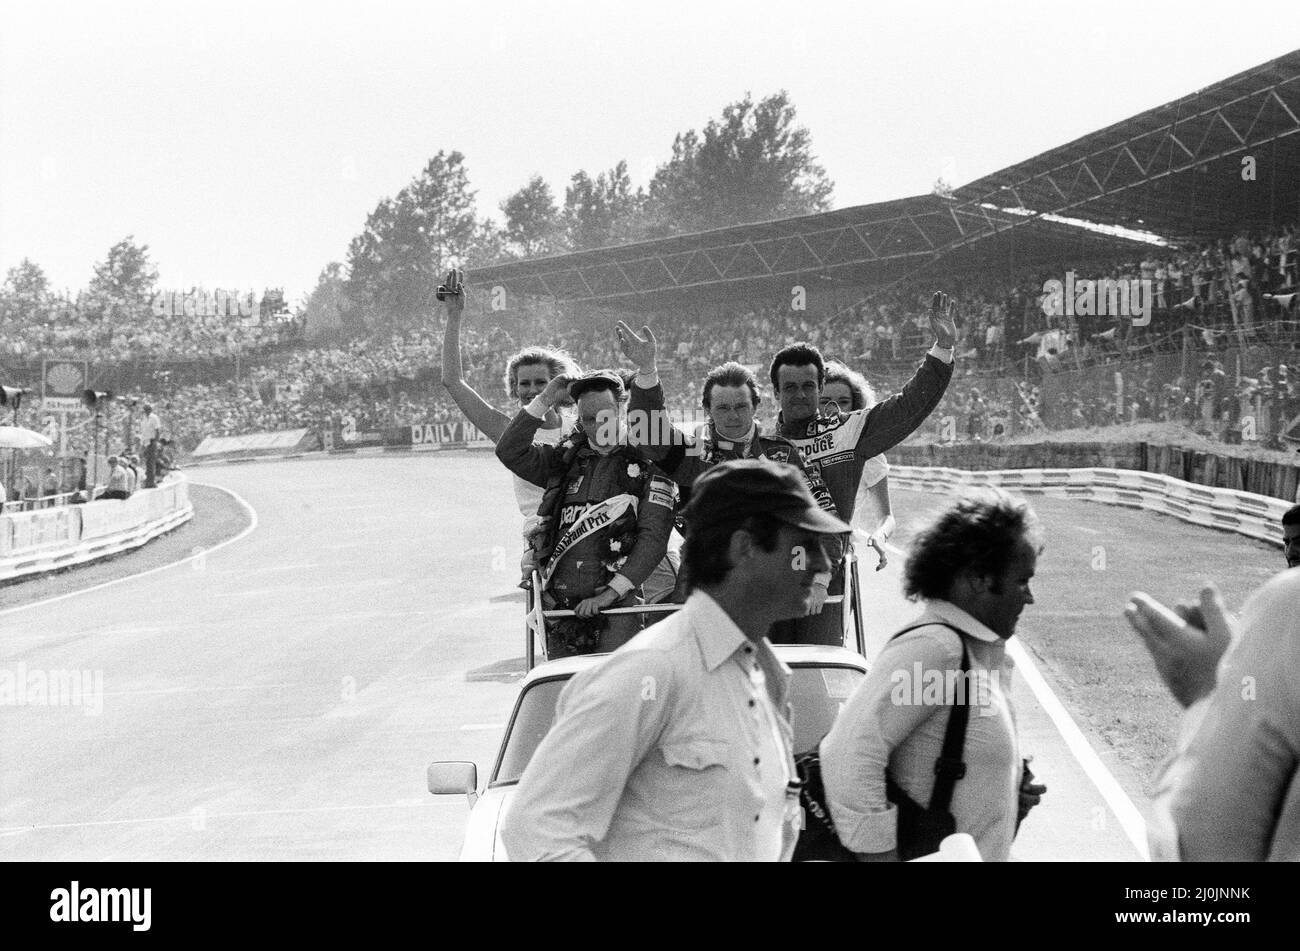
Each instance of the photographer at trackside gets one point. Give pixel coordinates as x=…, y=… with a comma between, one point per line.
x=890, y=750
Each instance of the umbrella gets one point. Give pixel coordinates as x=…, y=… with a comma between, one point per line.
x=15, y=437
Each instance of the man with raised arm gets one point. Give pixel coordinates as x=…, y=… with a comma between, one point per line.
x=730, y=398
x=837, y=445
x=527, y=373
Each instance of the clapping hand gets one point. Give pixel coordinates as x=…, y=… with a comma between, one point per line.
x=1186, y=643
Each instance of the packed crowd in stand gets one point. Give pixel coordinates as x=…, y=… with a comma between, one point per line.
x=1237, y=292
x=65, y=328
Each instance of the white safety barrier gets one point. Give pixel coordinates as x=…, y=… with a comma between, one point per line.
x=67, y=535
x=1256, y=516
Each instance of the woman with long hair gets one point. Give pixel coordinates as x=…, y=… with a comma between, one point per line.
x=849, y=391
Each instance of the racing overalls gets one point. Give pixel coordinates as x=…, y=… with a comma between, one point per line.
x=604, y=522
x=690, y=455
x=837, y=446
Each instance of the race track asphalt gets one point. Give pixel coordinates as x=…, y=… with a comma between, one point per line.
x=280, y=698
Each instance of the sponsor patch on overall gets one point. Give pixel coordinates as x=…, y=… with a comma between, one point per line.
x=662, y=492
x=574, y=486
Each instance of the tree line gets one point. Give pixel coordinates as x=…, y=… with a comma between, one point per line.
x=752, y=163
x=122, y=293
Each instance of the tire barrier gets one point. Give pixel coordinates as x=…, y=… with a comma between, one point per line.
x=1255, y=516
x=1225, y=469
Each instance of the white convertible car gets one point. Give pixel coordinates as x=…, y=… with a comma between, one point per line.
x=824, y=677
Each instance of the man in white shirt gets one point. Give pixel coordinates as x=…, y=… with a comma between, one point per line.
x=150, y=430
x=971, y=567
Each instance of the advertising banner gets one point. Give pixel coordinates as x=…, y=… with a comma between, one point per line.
x=286, y=441
x=433, y=435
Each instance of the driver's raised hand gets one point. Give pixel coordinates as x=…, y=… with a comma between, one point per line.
x=943, y=319
x=642, y=350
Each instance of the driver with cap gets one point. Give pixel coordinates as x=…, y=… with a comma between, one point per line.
x=678, y=746
x=605, y=516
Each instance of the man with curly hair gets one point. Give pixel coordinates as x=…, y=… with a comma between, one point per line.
x=888, y=753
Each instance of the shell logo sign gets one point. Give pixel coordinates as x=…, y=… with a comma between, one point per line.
x=61, y=384
x=64, y=379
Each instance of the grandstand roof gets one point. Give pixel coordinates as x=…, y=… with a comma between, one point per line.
x=852, y=245
x=1175, y=170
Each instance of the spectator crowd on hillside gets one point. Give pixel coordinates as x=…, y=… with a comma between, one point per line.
x=1237, y=292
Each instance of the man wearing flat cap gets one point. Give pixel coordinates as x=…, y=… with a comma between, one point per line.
x=605, y=516
x=678, y=747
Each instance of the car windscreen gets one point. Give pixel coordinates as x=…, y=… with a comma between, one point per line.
x=533, y=717
x=817, y=693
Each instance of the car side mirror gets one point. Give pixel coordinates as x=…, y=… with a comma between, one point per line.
x=454, y=778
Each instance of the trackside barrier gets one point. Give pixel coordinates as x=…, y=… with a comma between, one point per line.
x=327, y=453
x=50, y=539
x=1255, y=516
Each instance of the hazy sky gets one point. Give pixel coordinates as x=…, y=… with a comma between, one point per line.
x=245, y=142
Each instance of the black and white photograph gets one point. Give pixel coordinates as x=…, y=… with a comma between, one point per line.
x=676, y=432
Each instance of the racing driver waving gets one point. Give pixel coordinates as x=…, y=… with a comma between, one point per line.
x=836, y=446
x=605, y=516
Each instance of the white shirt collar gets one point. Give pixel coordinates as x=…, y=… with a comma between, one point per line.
x=959, y=618
x=720, y=638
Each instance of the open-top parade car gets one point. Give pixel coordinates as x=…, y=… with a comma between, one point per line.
x=823, y=679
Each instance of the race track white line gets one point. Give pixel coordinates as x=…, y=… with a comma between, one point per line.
x=1130, y=819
